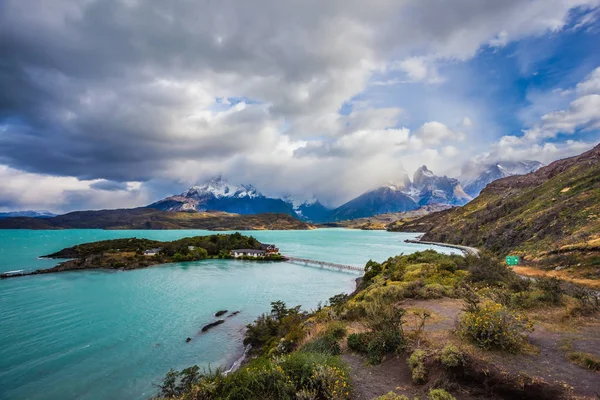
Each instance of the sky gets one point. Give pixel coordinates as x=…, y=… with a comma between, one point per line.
x=118, y=103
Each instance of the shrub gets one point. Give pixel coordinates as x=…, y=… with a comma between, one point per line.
x=336, y=330
x=433, y=291
x=552, y=291
x=338, y=300
x=326, y=344
x=318, y=374
x=493, y=326
x=416, y=362
x=451, y=356
x=587, y=301
x=440, y=394
x=488, y=270
x=359, y=342
x=392, y=396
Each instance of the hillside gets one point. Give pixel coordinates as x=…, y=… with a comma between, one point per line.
x=381, y=221
x=550, y=217
x=148, y=218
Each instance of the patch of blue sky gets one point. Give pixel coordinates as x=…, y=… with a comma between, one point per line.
x=506, y=89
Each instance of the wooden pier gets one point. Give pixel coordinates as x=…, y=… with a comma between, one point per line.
x=323, y=264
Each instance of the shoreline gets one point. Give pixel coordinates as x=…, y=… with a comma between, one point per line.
x=472, y=251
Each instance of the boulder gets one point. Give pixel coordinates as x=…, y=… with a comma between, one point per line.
x=219, y=313
x=233, y=314
x=212, y=325
x=188, y=340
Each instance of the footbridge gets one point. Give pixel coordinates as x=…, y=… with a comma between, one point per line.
x=323, y=264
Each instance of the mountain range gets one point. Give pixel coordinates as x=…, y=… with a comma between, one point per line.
x=27, y=213
x=218, y=195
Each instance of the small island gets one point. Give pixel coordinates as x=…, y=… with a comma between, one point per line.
x=134, y=253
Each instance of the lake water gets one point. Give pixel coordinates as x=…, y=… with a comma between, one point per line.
x=110, y=335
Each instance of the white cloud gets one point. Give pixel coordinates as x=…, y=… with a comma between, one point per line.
x=23, y=190
x=419, y=69
x=434, y=132
x=582, y=114
x=151, y=91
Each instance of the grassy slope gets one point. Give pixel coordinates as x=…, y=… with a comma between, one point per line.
x=382, y=221
x=147, y=218
x=551, y=216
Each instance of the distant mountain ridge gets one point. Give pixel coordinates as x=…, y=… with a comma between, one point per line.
x=476, y=176
x=27, y=213
x=218, y=195
x=425, y=188
x=148, y=218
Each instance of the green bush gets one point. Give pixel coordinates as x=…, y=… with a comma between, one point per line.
x=440, y=394
x=392, y=396
x=325, y=344
x=336, y=330
x=266, y=332
x=552, y=290
x=320, y=375
x=416, y=362
x=487, y=269
x=493, y=326
x=301, y=375
x=451, y=356
x=359, y=341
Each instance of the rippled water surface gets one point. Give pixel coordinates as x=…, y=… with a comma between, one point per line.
x=110, y=335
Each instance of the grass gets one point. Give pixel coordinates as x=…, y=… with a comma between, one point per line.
x=585, y=360
x=565, y=275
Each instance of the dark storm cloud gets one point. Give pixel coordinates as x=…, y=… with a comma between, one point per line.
x=125, y=90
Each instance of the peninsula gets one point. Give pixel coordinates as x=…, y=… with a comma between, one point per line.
x=134, y=253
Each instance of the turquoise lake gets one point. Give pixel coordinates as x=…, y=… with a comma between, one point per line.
x=111, y=335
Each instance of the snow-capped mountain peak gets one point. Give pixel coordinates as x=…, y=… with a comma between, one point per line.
x=220, y=188
x=476, y=175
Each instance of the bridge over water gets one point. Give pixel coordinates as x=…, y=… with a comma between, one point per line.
x=325, y=264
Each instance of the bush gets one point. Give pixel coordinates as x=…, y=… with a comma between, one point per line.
x=488, y=270
x=440, y=394
x=326, y=344
x=493, y=326
x=588, y=302
x=451, y=356
x=336, y=330
x=552, y=291
x=392, y=396
x=416, y=362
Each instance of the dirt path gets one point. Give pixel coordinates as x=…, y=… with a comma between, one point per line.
x=550, y=364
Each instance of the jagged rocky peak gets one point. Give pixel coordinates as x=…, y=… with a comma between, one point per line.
x=422, y=175
x=477, y=175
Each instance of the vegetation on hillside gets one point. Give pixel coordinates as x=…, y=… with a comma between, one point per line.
x=148, y=218
x=551, y=218
x=298, y=355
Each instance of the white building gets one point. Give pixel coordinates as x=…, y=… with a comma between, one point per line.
x=247, y=253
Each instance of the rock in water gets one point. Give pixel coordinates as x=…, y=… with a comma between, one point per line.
x=219, y=313
x=233, y=314
x=212, y=325
x=188, y=340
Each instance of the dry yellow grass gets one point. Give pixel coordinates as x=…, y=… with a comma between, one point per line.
x=563, y=275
